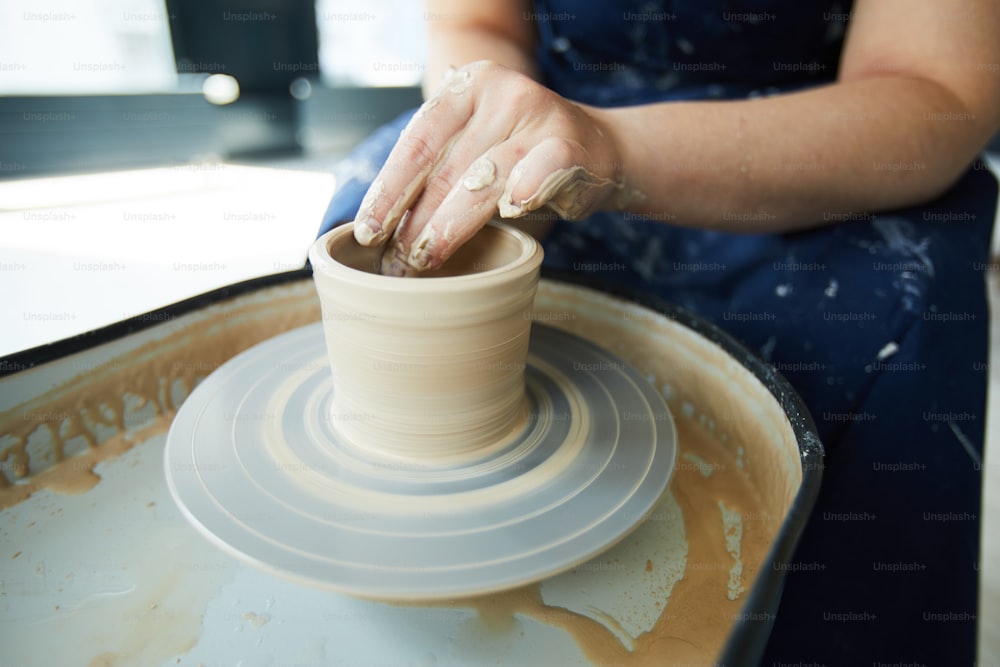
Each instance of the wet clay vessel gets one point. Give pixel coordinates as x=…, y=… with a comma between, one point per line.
x=429, y=367
x=426, y=440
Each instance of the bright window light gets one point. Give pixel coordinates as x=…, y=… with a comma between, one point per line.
x=85, y=47
x=379, y=43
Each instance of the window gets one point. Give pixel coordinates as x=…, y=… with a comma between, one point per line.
x=371, y=44
x=126, y=184
x=88, y=85
x=73, y=47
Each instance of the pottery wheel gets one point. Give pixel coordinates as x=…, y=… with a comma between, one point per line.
x=255, y=463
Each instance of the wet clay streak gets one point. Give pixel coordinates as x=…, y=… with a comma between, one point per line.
x=697, y=615
x=101, y=411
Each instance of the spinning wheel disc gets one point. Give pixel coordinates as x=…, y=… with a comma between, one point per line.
x=255, y=462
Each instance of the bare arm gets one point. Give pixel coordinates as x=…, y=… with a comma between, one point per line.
x=918, y=96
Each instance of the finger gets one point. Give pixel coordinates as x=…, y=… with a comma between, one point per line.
x=458, y=167
x=560, y=174
x=421, y=145
x=470, y=204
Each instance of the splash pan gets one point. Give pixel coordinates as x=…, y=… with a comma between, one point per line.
x=96, y=552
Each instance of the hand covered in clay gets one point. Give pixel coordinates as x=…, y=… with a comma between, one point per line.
x=491, y=140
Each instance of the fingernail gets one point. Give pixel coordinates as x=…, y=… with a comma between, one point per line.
x=506, y=206
x=508, y=209
x=367, y=232
x=420, y=252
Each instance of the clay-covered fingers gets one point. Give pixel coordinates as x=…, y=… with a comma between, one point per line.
x=422, y=145
x=430, y=237
x=561, y=174
x=491, y=139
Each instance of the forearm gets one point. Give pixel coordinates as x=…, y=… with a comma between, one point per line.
x=796, y=160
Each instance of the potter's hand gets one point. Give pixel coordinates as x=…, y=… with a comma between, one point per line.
x=491, y=140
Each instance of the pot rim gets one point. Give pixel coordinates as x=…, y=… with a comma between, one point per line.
x=527, y=261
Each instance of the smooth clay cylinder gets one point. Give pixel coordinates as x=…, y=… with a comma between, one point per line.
x=428, y=368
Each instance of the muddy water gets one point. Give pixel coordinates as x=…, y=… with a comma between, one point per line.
x=714, y=497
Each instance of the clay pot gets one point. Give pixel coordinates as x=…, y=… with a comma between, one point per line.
x=428, y=367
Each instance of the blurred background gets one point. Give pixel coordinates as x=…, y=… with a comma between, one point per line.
x=151, y=150
x=94, y=84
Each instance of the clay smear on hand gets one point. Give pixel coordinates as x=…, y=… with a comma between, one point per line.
x=397, y=262
x=481, y=174
x=364, y=233
x=457, y=81
x=421, y=112
x=571, y=193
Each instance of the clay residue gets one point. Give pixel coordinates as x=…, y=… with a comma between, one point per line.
x=54, y=440
x=701, y=465
x=698, y=613
x=481, y=174
x=698, y=379
x=732, y=526
x=457, y=81
x=364, y=232
x=162, y=613
x=726, y=423
x=77, y=475
x=118, y=577
x=569, y=192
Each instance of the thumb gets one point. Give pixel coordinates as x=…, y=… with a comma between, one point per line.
x=557, y=173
